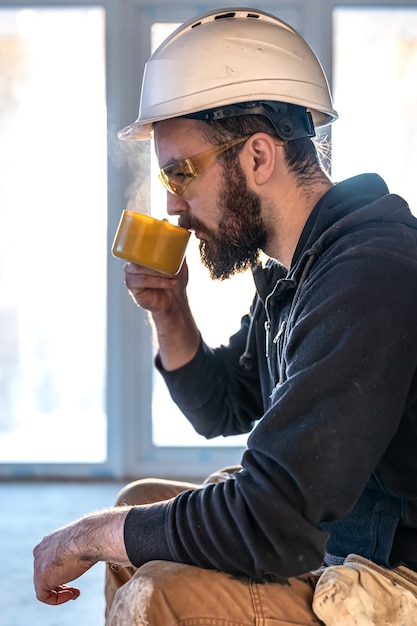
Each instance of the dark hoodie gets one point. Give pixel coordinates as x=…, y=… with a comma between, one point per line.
x=329, y=374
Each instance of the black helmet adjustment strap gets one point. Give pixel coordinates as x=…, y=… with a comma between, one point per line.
x=290, y=121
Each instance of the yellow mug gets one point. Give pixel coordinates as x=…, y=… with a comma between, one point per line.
x=147, y=241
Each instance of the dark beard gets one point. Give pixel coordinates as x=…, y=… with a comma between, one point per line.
x=236, y=246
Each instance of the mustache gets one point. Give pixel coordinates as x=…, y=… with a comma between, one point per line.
x=190, y=223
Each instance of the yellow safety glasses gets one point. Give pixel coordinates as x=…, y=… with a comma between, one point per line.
x=177, y=176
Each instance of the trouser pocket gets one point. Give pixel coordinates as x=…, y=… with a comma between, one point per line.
x=361, y=593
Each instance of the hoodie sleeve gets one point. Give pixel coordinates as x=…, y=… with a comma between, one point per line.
x=214, y=391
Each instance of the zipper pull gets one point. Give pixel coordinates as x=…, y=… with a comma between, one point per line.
x=280, y=332
x=267, y=326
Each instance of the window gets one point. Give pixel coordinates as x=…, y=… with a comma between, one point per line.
x=78, y=393
x=375, y=92
x=169, y=428
x=172, y=446
x=52, y=234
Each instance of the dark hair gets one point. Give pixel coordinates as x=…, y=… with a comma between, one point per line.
x=301, y=155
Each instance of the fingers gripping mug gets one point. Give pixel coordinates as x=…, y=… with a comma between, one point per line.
x=147, y=241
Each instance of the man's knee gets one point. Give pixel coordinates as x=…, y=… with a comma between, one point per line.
x=148, y=490
x=137, y=492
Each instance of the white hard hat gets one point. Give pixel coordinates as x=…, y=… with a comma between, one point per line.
x=227, y=57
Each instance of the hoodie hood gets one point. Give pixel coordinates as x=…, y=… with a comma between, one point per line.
x=347, y=206
x=342, y=200
x=336, y=211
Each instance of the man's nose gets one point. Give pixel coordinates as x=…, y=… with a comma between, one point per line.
x=176, y=205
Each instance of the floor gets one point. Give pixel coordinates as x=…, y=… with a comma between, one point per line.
x=28, y=512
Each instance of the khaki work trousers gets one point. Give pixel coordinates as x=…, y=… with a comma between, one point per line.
x=160, y=593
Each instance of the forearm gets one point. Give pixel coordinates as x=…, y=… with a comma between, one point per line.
x=178, y=336
x=98, y=536
x=165, y=298
x=69, y=552
x=216, y=394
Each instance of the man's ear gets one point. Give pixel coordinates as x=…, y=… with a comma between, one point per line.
x=260, y=156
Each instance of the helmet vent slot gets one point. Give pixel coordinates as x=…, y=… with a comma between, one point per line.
x=220, y=17
x=228, y=16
